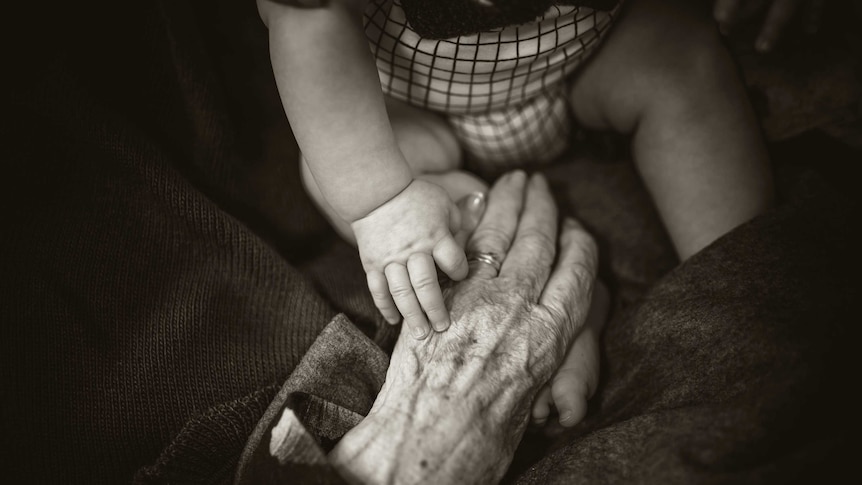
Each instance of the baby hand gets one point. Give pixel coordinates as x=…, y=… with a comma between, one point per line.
x=399, y=244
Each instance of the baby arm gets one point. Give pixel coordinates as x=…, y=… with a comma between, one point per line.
x=331, y=94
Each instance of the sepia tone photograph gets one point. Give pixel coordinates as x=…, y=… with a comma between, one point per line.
x=521, y=242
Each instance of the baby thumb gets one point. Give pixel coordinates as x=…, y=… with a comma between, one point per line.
x=472, y=207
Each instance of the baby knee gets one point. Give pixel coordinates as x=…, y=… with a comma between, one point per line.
x=656, y=59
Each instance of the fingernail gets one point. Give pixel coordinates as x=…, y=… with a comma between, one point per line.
x=419, y=333
x=475, y=203
x=472, y=208
x=566, y=418
x=442, y=326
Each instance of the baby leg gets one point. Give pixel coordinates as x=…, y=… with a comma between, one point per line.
x=664, y=77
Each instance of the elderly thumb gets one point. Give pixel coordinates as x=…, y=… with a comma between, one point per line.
x=472, y=207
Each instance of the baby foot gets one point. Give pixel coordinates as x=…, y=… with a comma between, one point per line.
x=575, y=381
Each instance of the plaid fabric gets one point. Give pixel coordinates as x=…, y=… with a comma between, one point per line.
x=503, y=88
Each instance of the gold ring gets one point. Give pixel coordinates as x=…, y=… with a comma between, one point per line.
x=490, y=259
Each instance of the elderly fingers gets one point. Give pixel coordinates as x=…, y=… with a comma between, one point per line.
x=423, y=277
x=497, y=227
x=401, y=289
x=570, y=285
x=534, y=246
x=472, y=207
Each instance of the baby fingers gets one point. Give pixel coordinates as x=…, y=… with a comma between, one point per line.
x=423, y=277
x=401, y=289
x=379, y=289
x=451, y=259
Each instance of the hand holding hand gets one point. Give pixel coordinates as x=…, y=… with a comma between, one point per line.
x=454, y=406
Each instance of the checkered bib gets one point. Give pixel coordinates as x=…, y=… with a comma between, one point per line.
x=503, y=90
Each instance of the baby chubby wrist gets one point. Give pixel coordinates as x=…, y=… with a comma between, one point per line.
x=373, y=199
x=369, y=186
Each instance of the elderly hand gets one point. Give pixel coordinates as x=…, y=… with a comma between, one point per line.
x=778, y=14
x=454, y=405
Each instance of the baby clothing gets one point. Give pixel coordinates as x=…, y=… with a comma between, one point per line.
x=503, y=90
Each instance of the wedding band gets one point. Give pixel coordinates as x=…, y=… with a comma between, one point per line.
x=488, y=258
